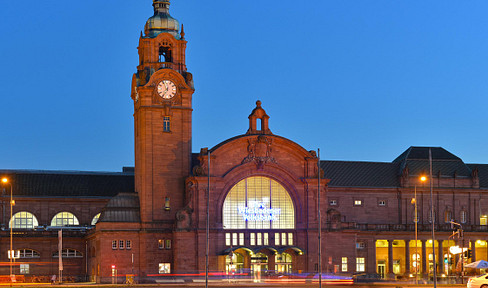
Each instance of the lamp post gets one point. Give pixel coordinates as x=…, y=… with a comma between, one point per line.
x=432, y=217
x=12, y=203
x=416, y=220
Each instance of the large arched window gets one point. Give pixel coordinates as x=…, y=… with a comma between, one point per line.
x=64, y=219
x=258, y=203
x=23, y=220
x=95, y=219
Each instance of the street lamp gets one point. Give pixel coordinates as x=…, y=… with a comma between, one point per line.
x=12, y=203
x=416, y=220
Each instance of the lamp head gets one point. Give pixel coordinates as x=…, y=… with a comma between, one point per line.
x=4, y=180
x=423, y=178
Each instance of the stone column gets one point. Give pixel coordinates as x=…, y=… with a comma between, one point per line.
x=407, y=257
x=440, y=258
x=390, y=259
x=424, y=257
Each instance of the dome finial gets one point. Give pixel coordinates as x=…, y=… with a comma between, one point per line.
x=161, y=21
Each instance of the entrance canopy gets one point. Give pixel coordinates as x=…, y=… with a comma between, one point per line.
x=258, y=249
x=481, y=264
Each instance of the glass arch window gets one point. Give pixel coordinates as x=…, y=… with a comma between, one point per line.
x=258, y=203
x=95, y=219
x=23, y=220
x=64, y=219
x=29, y=253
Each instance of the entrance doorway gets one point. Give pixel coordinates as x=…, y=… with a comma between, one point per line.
x=381, y=268
x=259, y=266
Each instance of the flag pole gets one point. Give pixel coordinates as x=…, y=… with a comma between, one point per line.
x=320, y=218
x=207, y=222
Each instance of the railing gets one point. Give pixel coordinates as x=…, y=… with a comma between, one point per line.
x=402, y=227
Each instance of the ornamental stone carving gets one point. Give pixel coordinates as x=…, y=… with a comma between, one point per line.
x=259, y=151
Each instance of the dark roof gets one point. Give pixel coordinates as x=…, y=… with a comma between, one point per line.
x=122, y=208
x=443, y=162
x=482, y=173
x=68, y=183
x=360, y=174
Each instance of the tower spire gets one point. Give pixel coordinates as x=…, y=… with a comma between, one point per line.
x=161, y=21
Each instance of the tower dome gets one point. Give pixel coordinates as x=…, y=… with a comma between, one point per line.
x=161, y=21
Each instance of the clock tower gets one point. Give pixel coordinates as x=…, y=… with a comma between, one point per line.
x=162, y=90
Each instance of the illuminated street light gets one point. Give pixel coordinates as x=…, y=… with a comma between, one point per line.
x=416, y=220
x=12, y=203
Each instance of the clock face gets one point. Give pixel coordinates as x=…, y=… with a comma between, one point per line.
x=166, y=89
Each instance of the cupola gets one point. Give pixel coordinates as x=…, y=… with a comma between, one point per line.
x=161, y=21
x=258, y=121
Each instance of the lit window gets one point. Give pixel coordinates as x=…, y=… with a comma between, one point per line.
x=64, y=219
x=382, y=203
x=161, y=244
x=260, y=239
x=234, y=239
x=114, y=244
x=483, y=220
x=360, y=245
x=128, y=244
x=24, y=268
x=121, y=244
x=241, y=239
x=265, y=239
x=95, y=219
x=333, y=202
x=253, y=239
x=277, y=239
x=69, y=253
x=283, y=238
x=24, y=220
x=168, y=244
x=164, y=268
x=358, y=202
x=290, y=238
x=344, y=264
x=258, y=203
x=360, y=267
x=29, y=253
x=166, y=124
x=227, y=239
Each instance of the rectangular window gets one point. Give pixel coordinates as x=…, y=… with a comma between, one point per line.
x=234, y=239
x=277, y=239
x=360, y=267
x=24, y=268
x=241, y=239
x=360, y=245
x=166, y=124
x=283, y=238
x=265, y=239
x=260, y=239
x=382, y=203
x=121, y=244
x=483, y=220
x=227, y=239
x=168, y=244
x=128, y=244
x=161, y=244
x=333, y=202
x=164, y=268
x=253, y=239
x=344, y=264
x=114, y=244
x=290, y=239
x=358, y=202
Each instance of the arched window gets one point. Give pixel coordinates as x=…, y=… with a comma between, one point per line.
x=447, y=216
x=29, y=253
x=463, y=216
x=68, y=253
x=64, y=219
x=258, y=203
x=95, y=219
x=23, y=220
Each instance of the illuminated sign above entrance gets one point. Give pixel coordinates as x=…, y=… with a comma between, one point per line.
x=257, y=211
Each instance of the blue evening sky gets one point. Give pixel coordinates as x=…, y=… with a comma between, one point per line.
x=361, y=80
